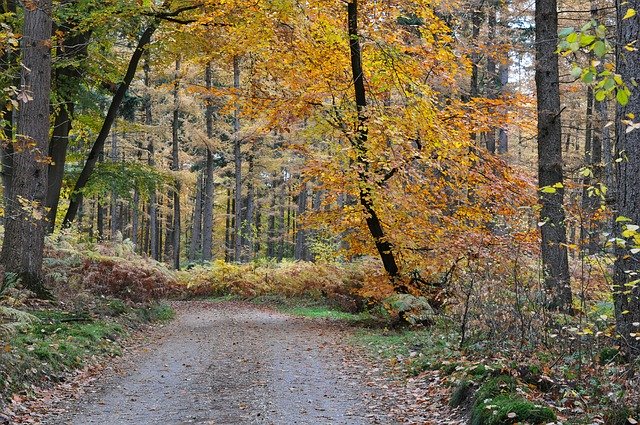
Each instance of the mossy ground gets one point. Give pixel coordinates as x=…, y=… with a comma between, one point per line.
x=62, y=341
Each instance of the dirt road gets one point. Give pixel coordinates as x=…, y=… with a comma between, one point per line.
x=232, y=363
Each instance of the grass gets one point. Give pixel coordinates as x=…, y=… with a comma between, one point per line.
x=61, y=341
x=326, y=312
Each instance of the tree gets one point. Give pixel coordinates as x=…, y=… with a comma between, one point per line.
x=359, y=143
x=25, y=228
x=555, y=263
x=626, y=289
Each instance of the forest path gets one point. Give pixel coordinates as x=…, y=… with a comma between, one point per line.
x=232, y=363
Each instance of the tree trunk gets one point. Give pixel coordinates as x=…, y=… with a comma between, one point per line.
x=68, y=79
x=8, y=60
x=227, y=229
x=237, y=156
x=92, y=158
x=175, y=166
x=626, y=295
x=503, y=77
x=207, y=210
x=248, y=219
x=301, y=237
x=196, y=233
x=114, y=196
x=281, y=218
x=492, y=74
x=25, y=228
x=154, y=224
x=589, y=203
x=554, y=237
x=359, y=144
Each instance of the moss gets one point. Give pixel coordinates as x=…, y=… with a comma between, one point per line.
x=509, y=409
x=502, y=384
x=461, y=394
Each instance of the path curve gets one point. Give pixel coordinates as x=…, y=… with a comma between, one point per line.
x=232, y=363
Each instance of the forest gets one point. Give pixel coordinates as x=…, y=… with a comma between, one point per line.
x=439, y=199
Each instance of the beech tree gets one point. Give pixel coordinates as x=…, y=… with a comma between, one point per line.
x=25, y=224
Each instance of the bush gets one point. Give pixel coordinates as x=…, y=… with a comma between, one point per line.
x=336, y=283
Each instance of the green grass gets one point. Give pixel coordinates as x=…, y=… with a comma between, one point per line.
x=61, y=341
x=325, y=312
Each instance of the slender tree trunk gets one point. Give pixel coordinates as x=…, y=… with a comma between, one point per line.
x=503, y=136
x=68, y=79
x=25, y=228
x=90, y=164
x=227, y=229
x=588, y=204
x=196, y=233
x=554, y=236
x=492, y=74
x=359, y=144
x=248, y=219
x=271, y=231
x=207, y=210
x=58, y=154
x=301, y=237
x=281, y=217
x=114, y=196
x=237, y=156
x=476, y=22
x=154, y=224
x=626, y=294
x=258, y=226
x=8, y=61
x=175, y=166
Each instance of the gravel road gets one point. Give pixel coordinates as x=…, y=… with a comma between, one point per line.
x=232, y=363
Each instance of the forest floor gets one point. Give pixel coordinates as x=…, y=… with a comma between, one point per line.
x=238, y=363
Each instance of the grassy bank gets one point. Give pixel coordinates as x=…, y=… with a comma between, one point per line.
x=58, y=342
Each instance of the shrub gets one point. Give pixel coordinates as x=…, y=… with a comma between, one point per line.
x=335, y=282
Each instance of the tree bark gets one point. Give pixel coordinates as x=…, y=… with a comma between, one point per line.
x=359, y=144
x=492, y=74
x=196, y=233
x=175, y=166
x=248, y=219
x=237, y=157
x=207, y=210
x=154, y=225
x=625, y=294
x=554, y=237
x=25, y=228
x=301, y=237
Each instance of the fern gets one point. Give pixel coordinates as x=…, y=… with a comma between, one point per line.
x=11, y=318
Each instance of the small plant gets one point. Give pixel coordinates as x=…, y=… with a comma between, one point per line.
x=12, y=318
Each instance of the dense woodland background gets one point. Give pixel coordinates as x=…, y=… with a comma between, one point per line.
x=481, y=156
